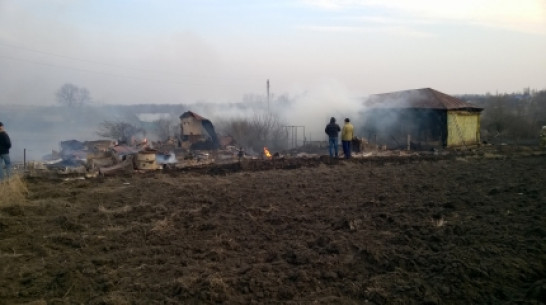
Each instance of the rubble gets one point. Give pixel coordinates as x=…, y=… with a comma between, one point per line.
x=100, y=158
x=125, y=166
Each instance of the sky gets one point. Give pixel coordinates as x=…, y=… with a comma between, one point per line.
x=217, y=51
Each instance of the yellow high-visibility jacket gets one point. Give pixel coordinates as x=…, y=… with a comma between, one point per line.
x=347, y=133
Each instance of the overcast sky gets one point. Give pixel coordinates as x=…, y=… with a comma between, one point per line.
x=182, y=51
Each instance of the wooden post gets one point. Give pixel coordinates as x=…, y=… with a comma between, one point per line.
x=409, y=141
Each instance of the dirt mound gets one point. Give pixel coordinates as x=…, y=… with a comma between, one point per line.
x=426, y=230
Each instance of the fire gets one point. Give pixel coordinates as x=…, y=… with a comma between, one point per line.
x=266, y=152
x=141, y=143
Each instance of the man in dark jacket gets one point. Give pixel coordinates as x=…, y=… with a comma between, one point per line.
x=332, y=130
x=5, y=145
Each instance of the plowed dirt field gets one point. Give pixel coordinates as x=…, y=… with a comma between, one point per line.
x=457, y=230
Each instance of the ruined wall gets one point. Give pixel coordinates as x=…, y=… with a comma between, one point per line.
x=191, y=126
x=463, y=128
x=391, y=127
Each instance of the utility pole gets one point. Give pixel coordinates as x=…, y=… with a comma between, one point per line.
x=267, y=95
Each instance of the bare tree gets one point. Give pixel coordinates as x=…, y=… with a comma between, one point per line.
x=513, y=118
x=71, y=95
x=163, y=128
x=537, y=109
x=257, y=132
x=121, y=131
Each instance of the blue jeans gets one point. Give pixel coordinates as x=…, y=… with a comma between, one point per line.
x=332, y=147
x=7, y=163
x=346, y=149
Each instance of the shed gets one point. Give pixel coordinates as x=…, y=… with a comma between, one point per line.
x=425, y=117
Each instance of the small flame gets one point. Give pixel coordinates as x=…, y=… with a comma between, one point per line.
x=267, y=153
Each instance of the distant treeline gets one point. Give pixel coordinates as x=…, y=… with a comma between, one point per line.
x=511, y=118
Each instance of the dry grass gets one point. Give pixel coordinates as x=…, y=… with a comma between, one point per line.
x=439, y=222
x=163, y=225
x=13, y=191
x=217, y=283
x=121, y=210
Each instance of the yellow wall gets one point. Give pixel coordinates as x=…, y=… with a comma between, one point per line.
x=463, y=128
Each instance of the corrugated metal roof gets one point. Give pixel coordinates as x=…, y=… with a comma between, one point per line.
x=418, y=98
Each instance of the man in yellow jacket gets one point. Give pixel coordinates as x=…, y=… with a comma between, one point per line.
x=347, y=134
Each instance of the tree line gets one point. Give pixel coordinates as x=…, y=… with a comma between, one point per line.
x=514, y=118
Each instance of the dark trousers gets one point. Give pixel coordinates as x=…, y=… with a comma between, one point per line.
x=332, y=146
x=346, y=149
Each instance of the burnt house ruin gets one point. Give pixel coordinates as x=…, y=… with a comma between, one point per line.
x=420, y=119
x=197, y=132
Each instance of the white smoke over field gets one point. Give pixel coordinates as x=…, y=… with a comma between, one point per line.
x=307, y=112
x=314, y=109
x=39, y=130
